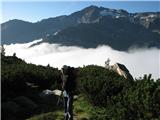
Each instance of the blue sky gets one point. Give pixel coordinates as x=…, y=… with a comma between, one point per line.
x=35, y=11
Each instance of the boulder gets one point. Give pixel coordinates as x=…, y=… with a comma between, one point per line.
x=121, y=70
x=46, y=93
x=48, y=97
x=57, y=92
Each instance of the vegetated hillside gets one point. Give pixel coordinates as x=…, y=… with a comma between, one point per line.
x=16, y=73
x=118, y=33
x=114, y=97
x=18, y=31
x=103, y=93
x=21, y=85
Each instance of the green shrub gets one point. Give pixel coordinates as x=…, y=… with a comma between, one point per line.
x=140, y=101
x=100, y=84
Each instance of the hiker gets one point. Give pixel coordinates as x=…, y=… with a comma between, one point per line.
x=68, y=86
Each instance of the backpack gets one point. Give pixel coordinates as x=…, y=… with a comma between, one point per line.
x=71, y=79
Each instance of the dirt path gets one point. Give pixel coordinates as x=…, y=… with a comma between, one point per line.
x=80, y=112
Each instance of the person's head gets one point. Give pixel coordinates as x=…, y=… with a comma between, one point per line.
x=64, y=69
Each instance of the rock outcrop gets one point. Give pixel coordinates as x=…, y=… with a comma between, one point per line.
x=121, y=70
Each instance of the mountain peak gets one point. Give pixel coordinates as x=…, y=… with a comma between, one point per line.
x=89, y=16
x=91, y=7
x=93, y=14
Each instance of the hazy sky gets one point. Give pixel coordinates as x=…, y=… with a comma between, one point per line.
x=36, y=10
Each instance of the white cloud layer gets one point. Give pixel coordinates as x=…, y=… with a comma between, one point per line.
x=138, y=61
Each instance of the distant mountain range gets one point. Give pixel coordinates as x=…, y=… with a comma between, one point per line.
x=90, y=27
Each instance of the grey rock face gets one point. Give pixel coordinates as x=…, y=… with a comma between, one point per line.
x=121, y=70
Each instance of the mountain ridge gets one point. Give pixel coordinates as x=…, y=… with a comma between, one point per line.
x=27, y=31
x=115, y=33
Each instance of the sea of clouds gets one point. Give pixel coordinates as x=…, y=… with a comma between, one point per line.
x=138, y=61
